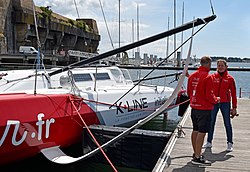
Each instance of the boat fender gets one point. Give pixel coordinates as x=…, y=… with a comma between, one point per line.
x=182, y=97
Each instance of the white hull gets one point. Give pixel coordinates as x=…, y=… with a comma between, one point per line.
x=99, y=95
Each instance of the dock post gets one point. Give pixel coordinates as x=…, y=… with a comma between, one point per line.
x=165, y=116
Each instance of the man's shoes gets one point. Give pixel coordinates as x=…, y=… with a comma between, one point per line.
x=200, y=161
x=229, y=147
x=207, y=145
x=201, y=156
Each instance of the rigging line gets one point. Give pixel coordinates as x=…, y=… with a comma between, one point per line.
x=93, y=137
x=19, y=79
x=37, y=36
x=135, y=109
x=170, y=147
x=198, y=21
x=158, y=65
x=76, y=9
x=60, y=157
x=106, y=25
x=38, y=45
x=160, y=76
x=212, y=8
x=151, y=116
x=167, y=40
x=121, y=106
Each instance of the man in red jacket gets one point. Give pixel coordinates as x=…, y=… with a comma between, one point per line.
x=202, y=100
x=224, y=87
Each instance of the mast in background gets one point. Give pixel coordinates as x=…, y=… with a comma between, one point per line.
x=167, y=52
x=133, y=39
x=138, y=37
x=174, y=27
x=137, y=53
x=182, y=31
x=179, y=54
x=119, y=28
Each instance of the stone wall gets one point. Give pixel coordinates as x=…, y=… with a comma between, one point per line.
x=56, y=32
x=4, y=6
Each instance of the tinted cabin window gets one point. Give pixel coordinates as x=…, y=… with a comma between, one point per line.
x=101, y=76
x=126, y=74
x=82, y=77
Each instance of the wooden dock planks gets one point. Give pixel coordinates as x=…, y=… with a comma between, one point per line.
x=222, y=161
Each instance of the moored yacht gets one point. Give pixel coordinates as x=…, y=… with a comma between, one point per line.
x=40, y=111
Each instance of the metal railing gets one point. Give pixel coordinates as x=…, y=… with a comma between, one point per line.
x=244, y=93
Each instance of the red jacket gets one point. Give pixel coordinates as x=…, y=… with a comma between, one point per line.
x=224, y=87
x=200, y=90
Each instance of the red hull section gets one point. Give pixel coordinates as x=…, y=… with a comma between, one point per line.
x=29, y=123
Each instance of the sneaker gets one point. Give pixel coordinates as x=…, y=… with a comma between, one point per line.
x=200, y=161
x=201, y=156
x=207, y=145
x=229, y=147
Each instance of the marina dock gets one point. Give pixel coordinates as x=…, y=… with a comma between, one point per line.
x=177, y=154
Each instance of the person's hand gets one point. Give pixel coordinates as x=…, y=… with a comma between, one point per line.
x=233, y=113
x=218, y=99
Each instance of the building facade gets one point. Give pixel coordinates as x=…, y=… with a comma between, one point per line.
x=57, y=34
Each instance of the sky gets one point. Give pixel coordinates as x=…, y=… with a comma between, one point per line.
x=228, y=35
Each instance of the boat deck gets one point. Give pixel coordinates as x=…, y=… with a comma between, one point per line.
x=177, y=154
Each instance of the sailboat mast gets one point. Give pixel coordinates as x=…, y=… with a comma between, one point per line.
x=133, y=39
x=174, y=27
x=138, y=37
x=119, y=23
x=182, y=31
x=167, y=40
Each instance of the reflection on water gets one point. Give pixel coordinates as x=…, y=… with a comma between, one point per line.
x=162, y=122
x=39, y=163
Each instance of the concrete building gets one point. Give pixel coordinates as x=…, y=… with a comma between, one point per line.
x=57, y=33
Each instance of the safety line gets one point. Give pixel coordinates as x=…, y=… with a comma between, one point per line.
x=93, y=137
x=126, y=107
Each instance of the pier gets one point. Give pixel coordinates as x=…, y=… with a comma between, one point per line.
x=178, y=152
x=180, y=68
